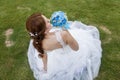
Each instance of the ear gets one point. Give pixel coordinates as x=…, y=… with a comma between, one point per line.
x=45, y=32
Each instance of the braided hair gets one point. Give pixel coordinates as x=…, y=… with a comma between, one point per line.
x=36, y=26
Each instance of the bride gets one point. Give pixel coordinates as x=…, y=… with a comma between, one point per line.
x=72, y=53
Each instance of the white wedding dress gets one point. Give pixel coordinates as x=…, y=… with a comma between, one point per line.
x=67, y=64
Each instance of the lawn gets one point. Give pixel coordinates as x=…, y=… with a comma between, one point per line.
x=104, y=14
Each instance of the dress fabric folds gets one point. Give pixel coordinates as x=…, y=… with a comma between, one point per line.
x=67, y=64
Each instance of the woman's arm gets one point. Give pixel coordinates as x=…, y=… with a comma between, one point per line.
x=68, y=39
x=44, y=59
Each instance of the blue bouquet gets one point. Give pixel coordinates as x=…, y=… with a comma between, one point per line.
x=59, y=19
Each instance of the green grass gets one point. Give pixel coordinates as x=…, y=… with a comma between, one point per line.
x=13, y=14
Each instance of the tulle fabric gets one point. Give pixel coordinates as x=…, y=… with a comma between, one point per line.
x=67, y=64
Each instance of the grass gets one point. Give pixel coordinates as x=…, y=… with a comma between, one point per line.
x=13, y=14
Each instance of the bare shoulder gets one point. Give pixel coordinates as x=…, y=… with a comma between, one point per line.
x=65, y=35
x=68, y=39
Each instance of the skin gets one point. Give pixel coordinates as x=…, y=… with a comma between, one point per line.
x=50, y=42
x=48, y=25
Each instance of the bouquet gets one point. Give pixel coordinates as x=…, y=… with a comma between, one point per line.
x=59, y=19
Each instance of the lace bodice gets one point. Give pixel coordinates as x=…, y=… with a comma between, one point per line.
x=59, y=37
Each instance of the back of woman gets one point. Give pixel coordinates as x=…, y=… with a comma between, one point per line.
x=70, y=55
x=50, y=42
x=58, y=39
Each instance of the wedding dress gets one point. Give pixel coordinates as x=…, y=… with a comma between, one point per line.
x=67, y=64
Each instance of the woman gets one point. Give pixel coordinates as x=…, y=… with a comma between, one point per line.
x=61, y=54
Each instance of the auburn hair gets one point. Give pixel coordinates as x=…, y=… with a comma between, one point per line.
x=36, y=26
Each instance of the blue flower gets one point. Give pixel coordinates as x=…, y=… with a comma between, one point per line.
x=59, y=19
